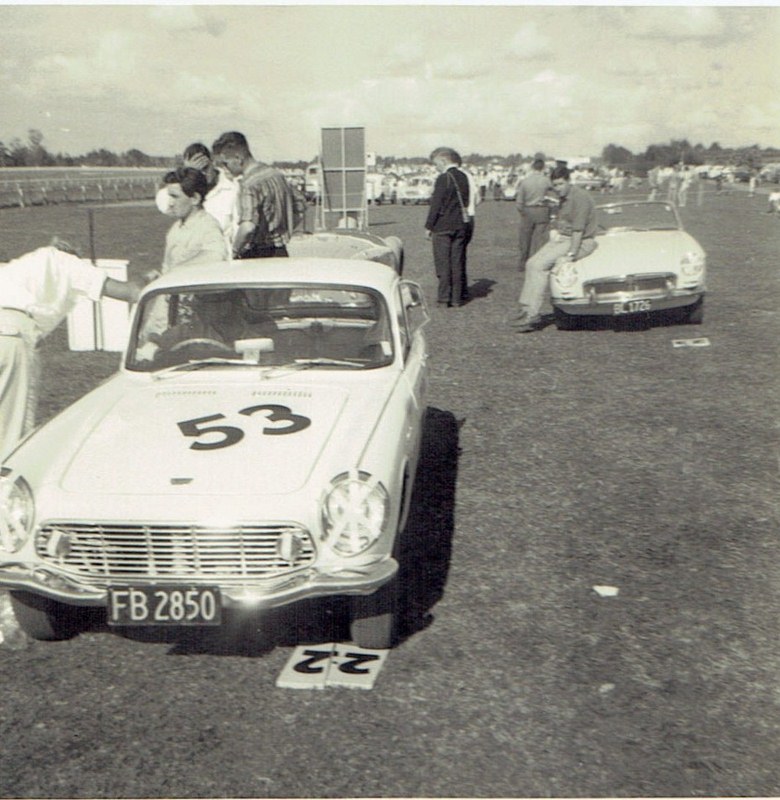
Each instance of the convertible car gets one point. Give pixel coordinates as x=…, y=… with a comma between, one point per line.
x=645, y=262
x=257, y=447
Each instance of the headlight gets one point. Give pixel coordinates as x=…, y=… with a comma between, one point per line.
x=354, y=512
x=16, y=511
x=692, y=264
x=566, y=274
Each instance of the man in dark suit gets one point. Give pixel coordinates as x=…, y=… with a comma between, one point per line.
x=447, y=226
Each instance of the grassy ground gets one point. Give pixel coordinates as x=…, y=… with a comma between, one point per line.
x=554, y=462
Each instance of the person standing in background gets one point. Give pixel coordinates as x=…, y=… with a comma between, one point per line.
x=534, y=211
x=447, y=226
x=196, y=237
x=269, y=209
x=221, y=190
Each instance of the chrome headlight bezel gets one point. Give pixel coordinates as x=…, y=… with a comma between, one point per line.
x=355, y=511
x=692, y=264
x=566, y=274
x=17, y=511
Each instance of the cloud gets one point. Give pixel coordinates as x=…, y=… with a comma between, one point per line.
x=703, y=23
x=187, y=19
x=529, y=43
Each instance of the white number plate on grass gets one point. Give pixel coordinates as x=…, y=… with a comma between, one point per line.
x=164, y=605
x=632, y=307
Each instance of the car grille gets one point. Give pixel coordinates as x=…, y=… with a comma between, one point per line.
x=110, y=552
x=638, y=286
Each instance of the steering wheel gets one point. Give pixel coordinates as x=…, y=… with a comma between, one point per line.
x=203, y=341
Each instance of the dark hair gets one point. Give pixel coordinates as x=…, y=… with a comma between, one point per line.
x=231, y=142
x=560, y=172
x=538, y=164
x=192, y=181
x=196, y=149
x=451, y=155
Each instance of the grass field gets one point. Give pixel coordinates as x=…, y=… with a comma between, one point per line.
x=554, y=462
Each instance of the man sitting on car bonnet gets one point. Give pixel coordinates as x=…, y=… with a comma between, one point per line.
x=572, y=239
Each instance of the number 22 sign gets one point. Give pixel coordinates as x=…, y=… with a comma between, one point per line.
x=283, y=421
x=320, y=666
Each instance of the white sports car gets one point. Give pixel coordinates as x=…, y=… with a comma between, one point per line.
x=257, y=447
x=644, y=262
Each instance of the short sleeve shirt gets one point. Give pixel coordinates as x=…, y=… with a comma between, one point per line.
x=46, y=283
x=195, y=240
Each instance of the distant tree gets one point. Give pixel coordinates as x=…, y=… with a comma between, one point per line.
x=614, y=155
x=36, y=155
x=101, y=158
x=135, y=158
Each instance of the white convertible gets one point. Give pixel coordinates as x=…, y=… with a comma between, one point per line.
x=257, y=447
x=645, y=262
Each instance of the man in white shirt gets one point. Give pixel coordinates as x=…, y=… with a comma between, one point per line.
x=37, y=290
x=196, y=237
x=221, y=200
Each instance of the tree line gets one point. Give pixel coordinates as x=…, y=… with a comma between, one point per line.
x=32, y=153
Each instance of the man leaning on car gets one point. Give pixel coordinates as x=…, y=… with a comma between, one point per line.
x=38, y=290
x=572, y=239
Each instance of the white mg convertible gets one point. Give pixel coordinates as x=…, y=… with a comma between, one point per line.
x=645, y=262
x=257, y=447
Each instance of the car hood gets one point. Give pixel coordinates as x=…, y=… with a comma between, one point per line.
x=636, y=252
x=265, y=437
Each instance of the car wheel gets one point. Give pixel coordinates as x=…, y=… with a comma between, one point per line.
x=373, y=618
x=564, y=321
x=44, y=619
x=694, y=314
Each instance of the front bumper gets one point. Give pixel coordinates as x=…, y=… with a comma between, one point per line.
x=311, y=583
x=627, y=303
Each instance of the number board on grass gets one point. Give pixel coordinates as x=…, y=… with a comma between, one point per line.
x=323, y=665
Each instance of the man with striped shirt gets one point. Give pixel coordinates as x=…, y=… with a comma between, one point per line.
x=269, y=209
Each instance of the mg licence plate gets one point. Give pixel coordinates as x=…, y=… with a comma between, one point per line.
x=164, y=605
x=632, y=307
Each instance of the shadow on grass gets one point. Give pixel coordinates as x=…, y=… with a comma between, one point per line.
x=424, y=551
x=481, y=288
x=629, y=323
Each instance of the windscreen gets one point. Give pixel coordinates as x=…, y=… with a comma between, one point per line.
x=326, y=326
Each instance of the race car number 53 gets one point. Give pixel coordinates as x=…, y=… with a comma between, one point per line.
x=214, y=437
x=164, y=605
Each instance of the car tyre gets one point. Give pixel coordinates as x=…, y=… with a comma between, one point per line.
x=374, y=618
x=694, y=314
x=564, y=321
x=42, y=618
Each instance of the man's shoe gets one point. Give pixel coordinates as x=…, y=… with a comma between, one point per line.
x=522, y=322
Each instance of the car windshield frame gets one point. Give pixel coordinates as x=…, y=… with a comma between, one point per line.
x=637, y=215
x=324, y=325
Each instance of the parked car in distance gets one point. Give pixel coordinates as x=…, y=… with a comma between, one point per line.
x=415, y=190
x=257, y=447
x=645, y=262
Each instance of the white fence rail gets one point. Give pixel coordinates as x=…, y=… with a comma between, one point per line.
x=39, y=187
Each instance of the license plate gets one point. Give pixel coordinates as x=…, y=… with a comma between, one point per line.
x=164, y=605
x=632, y=307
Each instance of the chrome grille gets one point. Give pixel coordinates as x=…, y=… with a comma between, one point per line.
x=638, y=286
x=110, y=552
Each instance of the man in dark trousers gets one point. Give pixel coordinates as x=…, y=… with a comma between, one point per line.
x=534, y=211
x=447, y=226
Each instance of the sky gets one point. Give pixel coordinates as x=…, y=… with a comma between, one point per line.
x=565, y=80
